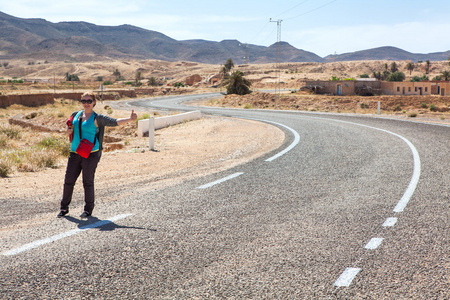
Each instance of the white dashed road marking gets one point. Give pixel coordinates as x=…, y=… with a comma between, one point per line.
x=390, y=222
x=208, y=185
x=347, y=276
x=374, y=243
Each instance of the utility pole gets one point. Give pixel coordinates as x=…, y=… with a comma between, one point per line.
x=245, y=45
x=246, y=54
x=277, y=88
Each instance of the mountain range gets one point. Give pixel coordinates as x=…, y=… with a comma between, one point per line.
x=82, y=41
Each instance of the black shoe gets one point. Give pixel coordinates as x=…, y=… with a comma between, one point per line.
x=85, y=215
x=62, y=213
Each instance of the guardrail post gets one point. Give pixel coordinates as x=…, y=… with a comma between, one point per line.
x=379, y=108
x=151, y=133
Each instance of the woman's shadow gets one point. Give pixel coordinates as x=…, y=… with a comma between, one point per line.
x=103, y=225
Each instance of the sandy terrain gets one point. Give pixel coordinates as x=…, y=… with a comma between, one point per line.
x=262, y=75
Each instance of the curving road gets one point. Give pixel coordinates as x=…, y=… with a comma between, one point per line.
x=348, y=208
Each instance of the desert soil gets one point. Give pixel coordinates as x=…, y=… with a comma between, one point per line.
x=183, y=152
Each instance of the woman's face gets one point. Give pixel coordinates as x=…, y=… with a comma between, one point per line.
x=87, y=102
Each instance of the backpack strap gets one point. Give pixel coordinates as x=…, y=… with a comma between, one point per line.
x=79, y=127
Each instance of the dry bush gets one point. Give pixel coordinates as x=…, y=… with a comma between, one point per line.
x=6, y=166
x=27, y=150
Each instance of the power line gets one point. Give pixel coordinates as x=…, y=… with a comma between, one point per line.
x=312, y=10
x=292, y=8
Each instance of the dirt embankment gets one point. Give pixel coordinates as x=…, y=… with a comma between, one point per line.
x=435, y=107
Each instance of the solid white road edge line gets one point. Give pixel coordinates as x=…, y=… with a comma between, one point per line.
x=290, y=147
x=416, y=171
x=208, y=185
x=347, y=276
x=38, y=243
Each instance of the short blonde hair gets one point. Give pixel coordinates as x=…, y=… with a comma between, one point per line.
x=90, y=94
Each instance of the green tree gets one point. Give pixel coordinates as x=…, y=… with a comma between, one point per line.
x=394, y=67
x=152, y=81
x=138, y=78
x=417, y=78
x=229, y=64
x=238, y=84
x=410, y=67
x=116, y=73
x=396, y=76
x=427, y=67
x=377, y=75
x=224, y=72
x=71, y=77
x=437, y=78
x=445, y=75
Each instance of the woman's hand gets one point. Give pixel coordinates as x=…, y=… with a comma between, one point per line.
x=132, y=117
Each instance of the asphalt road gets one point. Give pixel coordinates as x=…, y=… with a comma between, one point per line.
x=348, y=208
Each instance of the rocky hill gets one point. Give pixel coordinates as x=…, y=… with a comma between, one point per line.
x=388, y=53
x=82, y=41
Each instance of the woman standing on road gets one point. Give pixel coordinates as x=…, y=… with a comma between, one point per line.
x=90, y=126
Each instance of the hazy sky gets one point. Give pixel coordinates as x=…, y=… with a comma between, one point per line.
x=320, y=26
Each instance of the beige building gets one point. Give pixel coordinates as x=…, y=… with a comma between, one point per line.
x=373, y=87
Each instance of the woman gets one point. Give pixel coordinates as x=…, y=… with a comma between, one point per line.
x=87, y=125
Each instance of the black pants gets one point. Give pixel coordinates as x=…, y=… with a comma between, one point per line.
x=75, y=165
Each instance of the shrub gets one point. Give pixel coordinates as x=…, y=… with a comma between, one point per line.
x=31, y=115
x=143, y=117
x=397, y=107
x=364, y=105
x=3, y=142
x=396, y=76
x=5, y=167
x=412, y=115
x=62, y=146
x=109, y=109
x=433, y=107
x=424, y=105
x=33, y=160
x=12, y=132
x=71, y=77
